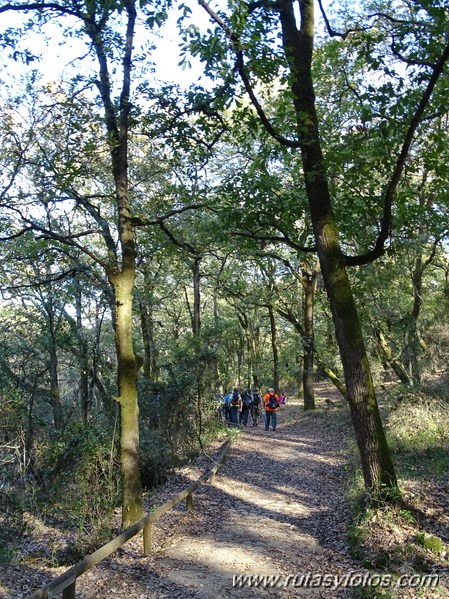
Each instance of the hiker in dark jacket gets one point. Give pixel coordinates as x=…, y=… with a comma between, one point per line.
x=247, y=400
x=255, y=407
x=235, y=406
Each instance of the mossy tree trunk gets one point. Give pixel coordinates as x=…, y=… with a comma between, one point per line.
x=121, y=267
x=388, y=357
x=378, y=469
x=123, y=284
x=120, y=260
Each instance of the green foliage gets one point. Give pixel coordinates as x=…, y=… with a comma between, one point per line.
x=430, y=542
x=169, y=416
x=83, y=465
x=167, y=429
x=384, y=496
x=13, y=452
x=75, y=489
x=207, y=146
x=407, y=516
x=12, y=525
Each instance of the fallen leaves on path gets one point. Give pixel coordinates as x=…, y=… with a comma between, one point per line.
x=277, y=509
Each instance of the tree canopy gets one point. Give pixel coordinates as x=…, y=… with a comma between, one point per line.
x=283, y=218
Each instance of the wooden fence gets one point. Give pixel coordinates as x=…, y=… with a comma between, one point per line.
x=66, y=582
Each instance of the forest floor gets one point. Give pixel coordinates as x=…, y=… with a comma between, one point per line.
x=278, y=511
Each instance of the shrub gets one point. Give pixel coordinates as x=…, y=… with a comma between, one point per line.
x=418, y=431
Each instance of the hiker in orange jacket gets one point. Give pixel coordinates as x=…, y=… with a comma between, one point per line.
x=271, y=407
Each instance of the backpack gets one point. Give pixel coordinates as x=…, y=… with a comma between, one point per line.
x=247, y=400
x=256, y=399
x=272, y=402
x=235, y=399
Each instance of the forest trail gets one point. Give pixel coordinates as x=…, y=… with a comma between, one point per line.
x=277, y=508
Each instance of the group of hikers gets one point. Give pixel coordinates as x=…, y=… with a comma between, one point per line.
x=236, y=407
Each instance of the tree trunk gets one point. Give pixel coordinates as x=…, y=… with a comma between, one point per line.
x=150, y=358
x=83, y=356
x=121, y=270
x=309, y=285
x=249, y=357
x=29, y=436
x=122, y=284
x=256, y=355
x=196, y=296
x=395, y=365
x=240, y=360
x=274, y=347
x=245, y=324
x=145, y=341
x=377, y=466
x=55, y=393
x=290, y=317
x=446, y=284
x=103, y=399
x=414, y=348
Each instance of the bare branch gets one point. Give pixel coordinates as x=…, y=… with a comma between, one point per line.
x=334, y=33
x=47, y=281
x=103, y=224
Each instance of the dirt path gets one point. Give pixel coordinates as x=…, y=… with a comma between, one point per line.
x=277, y=509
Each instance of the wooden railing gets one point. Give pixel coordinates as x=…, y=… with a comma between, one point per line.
x=66, y=582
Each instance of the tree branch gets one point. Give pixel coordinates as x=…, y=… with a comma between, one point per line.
x=184, y=245
x=41, y=6
x=276, y=239
x=334, y=33
x=239, y=67
x=103, y=224
x=48, y=280
x=386, y=221
x=143, y=222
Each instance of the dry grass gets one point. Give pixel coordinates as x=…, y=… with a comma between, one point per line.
x=413, y=535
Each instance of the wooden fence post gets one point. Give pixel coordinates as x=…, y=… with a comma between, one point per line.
x=66, y=582
x=147, y=535
x=69, y=592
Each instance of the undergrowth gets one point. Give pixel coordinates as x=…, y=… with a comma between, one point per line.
x=410, y=535
x=69, y=505
x=67, y=511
